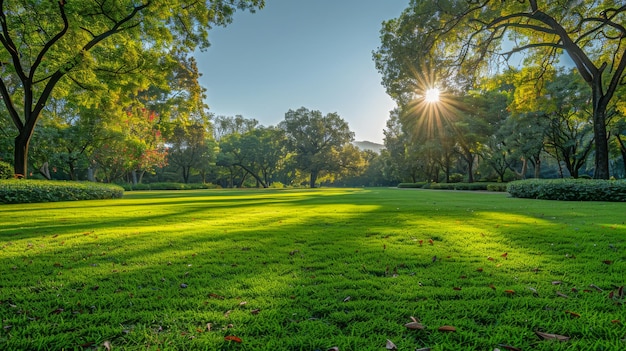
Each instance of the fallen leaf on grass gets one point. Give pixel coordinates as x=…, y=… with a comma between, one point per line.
x=479, y=269
x=573, y=314
x=560, y=294
x=509, y=347
x=492, y=287
x=505, y=255
x=595, y=287
x=232, y=338
x=607, y=262
x=556, y=282
x=216, y=296
x=107, y=345
x=456, y=288
x=431, y=242
x=255, y=311
x=390, y=345
x=548, y=336
x=616, y=321
x=423, y=349
x=57, y=311
x=415, y=324
x=334, y=348
x=510, y=292
x=348, y=298
x=447, y=328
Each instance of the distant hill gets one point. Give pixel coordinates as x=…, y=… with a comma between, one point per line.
x=368, y=145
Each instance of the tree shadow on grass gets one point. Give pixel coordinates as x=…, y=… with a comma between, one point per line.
x=318, y=270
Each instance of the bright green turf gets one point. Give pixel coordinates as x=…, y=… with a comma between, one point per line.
x=324, y=268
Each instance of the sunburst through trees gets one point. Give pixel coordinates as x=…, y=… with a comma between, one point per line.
x=431, y=109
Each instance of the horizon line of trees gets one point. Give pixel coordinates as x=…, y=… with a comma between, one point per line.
x=499, y=134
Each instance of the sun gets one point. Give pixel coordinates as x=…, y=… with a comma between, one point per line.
x=432, y=95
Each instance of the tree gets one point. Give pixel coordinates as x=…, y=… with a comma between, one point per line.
x=473, y=37
x=191, y=147
x=404, y=157
x=53, y=49
x=569, y=134
x=315, y=140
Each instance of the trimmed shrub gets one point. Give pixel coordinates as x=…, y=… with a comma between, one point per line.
x=6, y=170
x=167, y=186
x=478, y=186
x=500, y=187
x=456, y=178
x=26, y=191
x=569, y=189
x=443, y=186
x=413, y=185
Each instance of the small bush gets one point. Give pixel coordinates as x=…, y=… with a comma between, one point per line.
x=28, y=191
x=168, y=186
x=6, y=170
x=443, y=186
x=500, y=187
x=455, y=178
x=478, y=186
x=413, y=185
x=569, y=189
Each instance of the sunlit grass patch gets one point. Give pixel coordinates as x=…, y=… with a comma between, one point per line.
x=311, y=269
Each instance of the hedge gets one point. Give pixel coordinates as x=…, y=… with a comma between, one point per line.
x=569, y=189
x=168, y=186
x=28, y=191
x=412, y=185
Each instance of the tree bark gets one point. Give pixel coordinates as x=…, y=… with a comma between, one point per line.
x=21, y=154
x=313, y=179
x=600, y=135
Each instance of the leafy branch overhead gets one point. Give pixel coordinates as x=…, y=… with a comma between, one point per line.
x=467, y=41
x=53, y=49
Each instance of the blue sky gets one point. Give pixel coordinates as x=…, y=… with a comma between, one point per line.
x=294, y=53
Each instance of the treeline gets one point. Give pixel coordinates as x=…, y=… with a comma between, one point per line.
x=495, y=134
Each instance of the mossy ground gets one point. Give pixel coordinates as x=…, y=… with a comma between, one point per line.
x=311, y=269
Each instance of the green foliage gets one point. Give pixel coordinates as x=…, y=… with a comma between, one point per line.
x=29, y=191
x=461, y=186
x=456, y=178
x=167, y=186
x=569, y=189
x=317, y=141
x=412, y=185
x=6, y=170
x=499, y=187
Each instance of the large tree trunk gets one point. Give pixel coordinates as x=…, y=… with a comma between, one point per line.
x=622, y=149
x=20, y=164
x=313, y=179
x=601, y=143
x=600, y=101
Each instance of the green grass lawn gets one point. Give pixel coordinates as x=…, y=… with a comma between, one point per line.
x=312, y=270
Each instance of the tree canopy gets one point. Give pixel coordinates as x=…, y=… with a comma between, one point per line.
x=109, y=48
x=472, y=39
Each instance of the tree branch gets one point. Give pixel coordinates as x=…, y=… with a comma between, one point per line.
x=50, y=42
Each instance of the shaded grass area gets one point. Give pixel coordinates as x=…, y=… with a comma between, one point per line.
x=311, y=269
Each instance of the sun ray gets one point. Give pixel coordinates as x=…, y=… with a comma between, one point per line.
x=431, y=110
